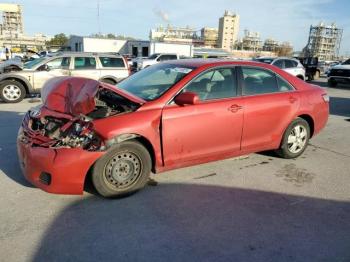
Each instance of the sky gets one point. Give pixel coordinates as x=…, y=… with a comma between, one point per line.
x=282, y=20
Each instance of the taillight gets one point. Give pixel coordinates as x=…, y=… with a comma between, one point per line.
x=127, y=64
x=325, y=97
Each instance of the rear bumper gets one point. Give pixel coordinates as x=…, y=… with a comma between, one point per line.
x=67, y=167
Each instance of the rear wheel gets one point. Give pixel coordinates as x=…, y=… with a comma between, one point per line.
x=123, y=170
x=12, y=91
x=295, y=139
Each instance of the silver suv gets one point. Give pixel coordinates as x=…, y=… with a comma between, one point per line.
x=290, y=65
x=105, y=67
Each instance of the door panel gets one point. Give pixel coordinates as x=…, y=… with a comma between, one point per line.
x=270, y=105
x=85, y=67
x=207, y=131
x=40, y=77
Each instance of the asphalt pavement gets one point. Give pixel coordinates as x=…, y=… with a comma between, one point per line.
x=253, y=208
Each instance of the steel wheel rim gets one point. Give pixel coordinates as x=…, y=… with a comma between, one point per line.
x=123, y=170
x=11, y=92
x=297, y=139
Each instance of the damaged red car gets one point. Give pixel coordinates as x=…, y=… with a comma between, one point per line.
x=170, y=115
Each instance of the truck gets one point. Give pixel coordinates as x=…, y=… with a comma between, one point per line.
x=160, y=51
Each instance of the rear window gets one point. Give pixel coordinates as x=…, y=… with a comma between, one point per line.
x=112, y=62
x=290, y=64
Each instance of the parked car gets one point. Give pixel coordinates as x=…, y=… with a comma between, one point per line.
x=13, y=64
x=290, y=65
x=154, y=59
x=339, y=74
x=170, y=115
x=109, y=68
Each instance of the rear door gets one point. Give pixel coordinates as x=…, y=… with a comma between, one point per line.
x=270, y=104
x=113, y=66
x=85, y=66
x=208, y=130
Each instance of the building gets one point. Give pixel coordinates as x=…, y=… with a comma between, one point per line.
x=250, y=42
x=12, y=24
x=12, y=30
x=228, y=30
x=177, y=35
x=210, y=36
x=324, y=42
x=270, y=45
x=92, y=44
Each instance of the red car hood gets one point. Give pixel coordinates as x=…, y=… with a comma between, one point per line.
x=76, y=95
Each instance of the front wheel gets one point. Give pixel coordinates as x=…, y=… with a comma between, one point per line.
x=295, y=139
x=332, y=83
x=123, y=170
x=12, y=91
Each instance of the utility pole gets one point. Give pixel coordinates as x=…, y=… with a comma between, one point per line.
x=98, y=17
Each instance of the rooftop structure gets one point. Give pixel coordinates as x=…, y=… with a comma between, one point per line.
x=324, y=41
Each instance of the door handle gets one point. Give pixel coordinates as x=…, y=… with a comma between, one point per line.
x=234, y=108
x=292, y=99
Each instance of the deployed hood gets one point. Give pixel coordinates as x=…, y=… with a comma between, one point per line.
x=77, y=96
x=69, y=95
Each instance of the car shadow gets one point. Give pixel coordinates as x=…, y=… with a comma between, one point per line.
x=339, y=106
x=9, y=125
x=189, y=222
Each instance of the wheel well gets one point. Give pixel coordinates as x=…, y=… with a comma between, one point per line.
x=310, y=121
x=109, y=79
x=300, y=76
x=147, y=144
x=19, y=81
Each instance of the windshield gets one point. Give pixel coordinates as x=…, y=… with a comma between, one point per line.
x=347, y=62
x=31, y=64
x=154, y=56
x=264, y=60
x=154, y=81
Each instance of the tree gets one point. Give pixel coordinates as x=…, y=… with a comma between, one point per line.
x=285, y=49
x=58, y=40
x=111, y=36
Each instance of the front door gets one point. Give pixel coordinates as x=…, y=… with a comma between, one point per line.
x=206, y=131
x=54, y=68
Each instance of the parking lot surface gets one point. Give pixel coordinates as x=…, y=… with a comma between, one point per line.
x=253, y=208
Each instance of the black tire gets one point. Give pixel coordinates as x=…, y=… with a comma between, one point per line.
x=285, y=150
x=332, y=83
x=109, y=81
x=14, y=95
x=123, y=170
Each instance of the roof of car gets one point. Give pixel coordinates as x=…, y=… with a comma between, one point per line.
x=212, y=62
x=87, y=54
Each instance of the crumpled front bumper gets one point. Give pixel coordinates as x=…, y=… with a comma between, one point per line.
x=67, y=167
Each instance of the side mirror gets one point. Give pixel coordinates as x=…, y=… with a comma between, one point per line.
x=186, y=98
x=44, y=67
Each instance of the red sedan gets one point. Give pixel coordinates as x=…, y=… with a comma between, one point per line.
x=170, y=115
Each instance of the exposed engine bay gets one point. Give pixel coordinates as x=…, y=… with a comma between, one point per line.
x=45, y=127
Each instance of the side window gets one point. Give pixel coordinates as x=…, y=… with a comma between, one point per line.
x=214, y=84
x=258, y=81
x=84, y=63
x=279, y=63
x=289, y=64
x=167, y=57
x=112, y=62
x=283, y=85
x=59, y=63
